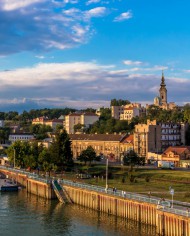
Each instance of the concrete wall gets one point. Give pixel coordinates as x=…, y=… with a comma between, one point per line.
x=167, y=224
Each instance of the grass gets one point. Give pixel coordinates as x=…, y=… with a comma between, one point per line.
x=155, y=181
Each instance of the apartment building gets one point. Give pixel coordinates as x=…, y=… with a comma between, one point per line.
x=111, y=146
x=127, y=112
x=147, y=138
x=85, y=119
x=156, y=137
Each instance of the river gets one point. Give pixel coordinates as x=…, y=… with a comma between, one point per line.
x=23, y=214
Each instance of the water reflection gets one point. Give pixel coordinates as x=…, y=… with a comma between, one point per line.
x=26, y=214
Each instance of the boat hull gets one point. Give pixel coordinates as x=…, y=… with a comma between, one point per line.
x=9, y=188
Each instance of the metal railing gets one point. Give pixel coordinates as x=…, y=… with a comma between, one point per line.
x=118, y=193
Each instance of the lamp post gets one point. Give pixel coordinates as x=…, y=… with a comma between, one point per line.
x=172, y=193
x=14, y=159
x=106, y=173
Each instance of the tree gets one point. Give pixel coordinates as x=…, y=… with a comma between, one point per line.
x=120, y=102
x=40, y=130
x=18, y=152
x=87, y=155
x=79, y=127
x=60, y=150
x=187, y=113
x=131, y=159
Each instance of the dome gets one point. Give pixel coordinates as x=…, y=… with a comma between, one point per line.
x=157, y=101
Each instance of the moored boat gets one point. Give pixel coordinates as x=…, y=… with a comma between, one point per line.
x=8, y=186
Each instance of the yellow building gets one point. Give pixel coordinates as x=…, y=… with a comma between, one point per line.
x=85, y=119
x=156, y=137
x=45, y=121
x=179, y=155
x=147, y=138
x=111, y=146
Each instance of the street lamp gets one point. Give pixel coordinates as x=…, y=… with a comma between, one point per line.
x=14, y=159
x=172, y=193
x=106, y=173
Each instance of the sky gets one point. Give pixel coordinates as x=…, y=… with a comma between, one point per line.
x=83, y=53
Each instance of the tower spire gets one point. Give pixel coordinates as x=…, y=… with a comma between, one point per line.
x=163, y=79
x=163, y=91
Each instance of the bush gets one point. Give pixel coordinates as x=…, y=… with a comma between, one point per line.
x=123, y=180
x=147, y=178
x=187, y=194
x=132, y=178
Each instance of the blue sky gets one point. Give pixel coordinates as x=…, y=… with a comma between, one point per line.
x=58, y=53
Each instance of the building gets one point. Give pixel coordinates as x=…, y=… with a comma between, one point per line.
x=85, y=119
x=127, y=112
x=20, y=137
x=156, y=137
x=2, y=123
x=111, y=146
x=147, y=138
x=45, y=121
x=162, y=99
x=180, y=155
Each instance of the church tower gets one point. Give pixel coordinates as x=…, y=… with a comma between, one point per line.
x=163, y=91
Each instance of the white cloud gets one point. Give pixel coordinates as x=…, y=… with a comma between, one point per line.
x=123, y=16
x=96, y=12
x=129, y=62
x=92, y=1
x=10, y=5
x=40, y=57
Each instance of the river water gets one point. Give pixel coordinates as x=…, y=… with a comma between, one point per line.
x=23, y=214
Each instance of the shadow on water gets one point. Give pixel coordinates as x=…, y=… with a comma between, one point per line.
x=26, y=214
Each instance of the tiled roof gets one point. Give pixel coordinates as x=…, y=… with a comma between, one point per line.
x=96, y=137
x=75, y=114
x=128, y=139
x=177, y=149
x=89, y=114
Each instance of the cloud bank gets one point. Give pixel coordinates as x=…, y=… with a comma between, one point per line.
x=84, y=84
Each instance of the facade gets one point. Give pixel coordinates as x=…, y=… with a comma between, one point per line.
x=4, y=161
x=180, y=155
x=85, y=119
x=111, y=146
x=156, y=137
x=147, y=138
x=20, y=137
x=45, y=121
x=127, y=112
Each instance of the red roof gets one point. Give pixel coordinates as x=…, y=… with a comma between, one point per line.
x=128, y=139
x=177, y=149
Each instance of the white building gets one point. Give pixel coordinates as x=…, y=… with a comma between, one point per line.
x=20, y=137
x=85, y=119
x=1, y=123
x=127, y=112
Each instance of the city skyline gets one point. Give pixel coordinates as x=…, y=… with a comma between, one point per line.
x=84, y=53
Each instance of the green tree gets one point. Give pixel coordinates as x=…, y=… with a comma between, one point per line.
x=120, y=102
x=187, y=113
x=88, y=155
x=131, y=159
x=40, y=130
x=18, y=152
x=60, y=150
